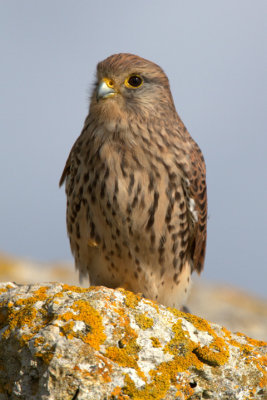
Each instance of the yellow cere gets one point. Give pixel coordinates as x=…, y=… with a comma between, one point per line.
x=109, y=82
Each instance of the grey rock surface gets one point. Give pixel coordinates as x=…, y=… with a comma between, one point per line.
x=224, y=305
x=65, y=342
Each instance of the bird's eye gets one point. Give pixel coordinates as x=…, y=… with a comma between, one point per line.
x=134, y=81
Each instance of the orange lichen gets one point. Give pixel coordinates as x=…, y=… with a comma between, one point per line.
x=46, y=354
x=249, y=353
x=67, y=330
x=181, y=347
x=38, y=295
x=149, y=392
x=38, y=341
x=105, y=370
x=83, y=321
x=131, y=300
x=184, y=390
x=252, y=342
x=76, y=289
x=143, y=321
x=26, y=316
x=117, y=394
x=186, y=354
x=6, y=288
x=155, y=342
x=82, y=372
x=217, y=353
x=126, y=353
x=23, y=314
x=161, y=379
x=101, y=370
x=20, y=318
x=84, y=312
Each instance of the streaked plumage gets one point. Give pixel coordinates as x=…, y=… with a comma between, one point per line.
x=135, y=185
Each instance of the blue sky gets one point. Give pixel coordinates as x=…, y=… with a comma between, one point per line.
x=215, y=56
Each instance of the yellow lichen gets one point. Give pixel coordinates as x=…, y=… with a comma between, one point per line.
x=161, y=379
x=76, y=289
x=67, y=330
x=149, y=392
x=105, y=370
x=46, y=354
x=250, y=354
x=143, y=321
x=217, y=353
x=6, y=288
x=23, y=314
x=19, y=318
x=181, y=347
x=38, y=295
x=186, y=354
x=126, y=353
x=84, y=312
x=131, y=299
x=155, y=341
x=252, y=342
x=117, y=394
x=39, y=341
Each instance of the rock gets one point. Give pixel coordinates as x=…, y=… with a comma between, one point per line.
x=231, y=307
x=65, y=342
x=22, y=271
x=228, y=306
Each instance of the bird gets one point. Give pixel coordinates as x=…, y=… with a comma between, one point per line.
x=135, y=182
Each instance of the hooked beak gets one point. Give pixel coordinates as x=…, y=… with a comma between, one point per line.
x=105, y=89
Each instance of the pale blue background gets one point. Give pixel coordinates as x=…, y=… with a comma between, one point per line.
x=214, y=53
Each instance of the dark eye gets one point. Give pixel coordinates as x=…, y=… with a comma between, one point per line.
x=134, y=81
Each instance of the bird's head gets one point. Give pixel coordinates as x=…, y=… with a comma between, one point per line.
x=129, y=86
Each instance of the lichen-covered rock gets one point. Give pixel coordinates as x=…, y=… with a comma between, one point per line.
x=61, y=342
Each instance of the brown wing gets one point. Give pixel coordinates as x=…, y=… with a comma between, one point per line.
x=196, y=191
x=66, y=170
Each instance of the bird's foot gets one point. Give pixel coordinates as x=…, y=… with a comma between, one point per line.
x=185, y=309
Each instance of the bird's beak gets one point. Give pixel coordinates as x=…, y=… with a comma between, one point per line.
x=105, y=89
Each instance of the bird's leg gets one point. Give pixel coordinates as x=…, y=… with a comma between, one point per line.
x=185, y=309
x=127, y=286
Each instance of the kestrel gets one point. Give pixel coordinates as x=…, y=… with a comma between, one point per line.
x=136, y=187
